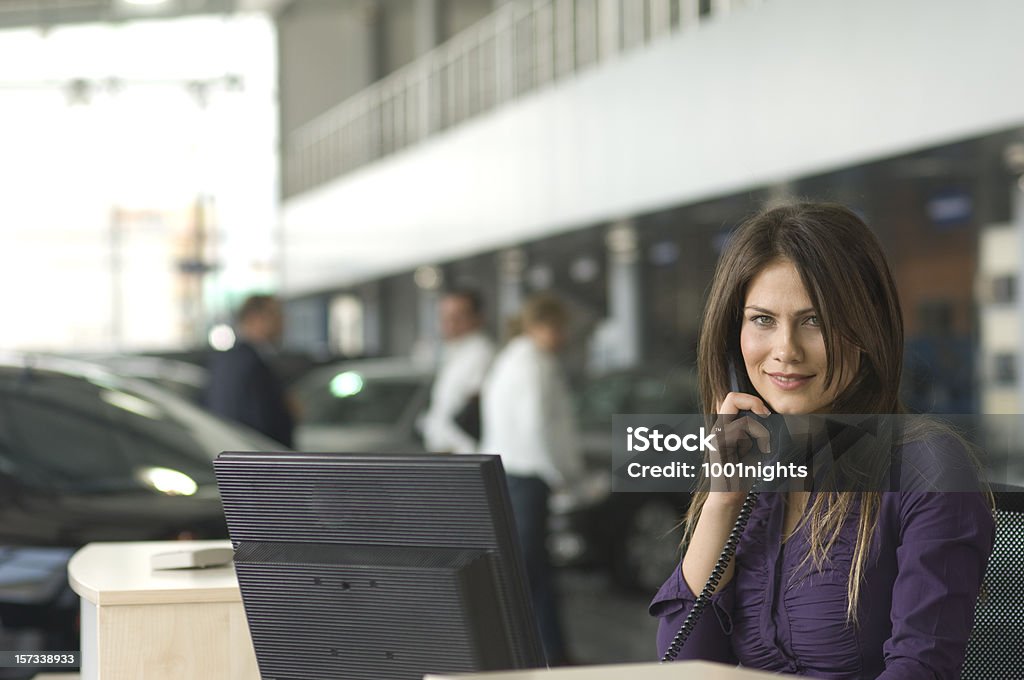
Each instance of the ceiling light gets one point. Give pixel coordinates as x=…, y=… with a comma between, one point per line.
x=428, y=278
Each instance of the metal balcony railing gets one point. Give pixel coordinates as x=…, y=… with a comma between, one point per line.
x=523, y=46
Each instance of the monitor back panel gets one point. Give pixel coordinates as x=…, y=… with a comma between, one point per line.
x=377, y=566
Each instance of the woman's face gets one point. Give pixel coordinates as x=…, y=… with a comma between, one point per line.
x=783, y=348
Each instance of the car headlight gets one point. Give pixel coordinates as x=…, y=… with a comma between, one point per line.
x=167, y=481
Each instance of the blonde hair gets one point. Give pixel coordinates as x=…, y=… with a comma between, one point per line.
x=544, y=309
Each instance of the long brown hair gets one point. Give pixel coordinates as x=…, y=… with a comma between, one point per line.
x=848, y=280
x=850, y=286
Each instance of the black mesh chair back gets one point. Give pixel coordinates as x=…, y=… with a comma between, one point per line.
x=996, y=647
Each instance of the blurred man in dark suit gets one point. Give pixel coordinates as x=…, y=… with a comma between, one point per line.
x=243, y=387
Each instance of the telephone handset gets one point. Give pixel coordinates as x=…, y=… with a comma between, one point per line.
x=728, y=551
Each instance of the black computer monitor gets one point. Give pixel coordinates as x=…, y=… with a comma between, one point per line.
x=377, y=566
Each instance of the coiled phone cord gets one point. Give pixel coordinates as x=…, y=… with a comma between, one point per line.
x=717, y=572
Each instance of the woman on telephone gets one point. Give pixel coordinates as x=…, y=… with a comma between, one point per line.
x=804, y=315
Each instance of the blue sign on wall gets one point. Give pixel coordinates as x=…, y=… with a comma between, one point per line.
x=950, y=208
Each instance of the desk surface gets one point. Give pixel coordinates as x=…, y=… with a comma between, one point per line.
x=120, y=574
x=676, y=671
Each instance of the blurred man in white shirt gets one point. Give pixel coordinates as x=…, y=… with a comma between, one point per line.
x=464, y=363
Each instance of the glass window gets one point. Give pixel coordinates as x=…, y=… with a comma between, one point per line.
x=346, y=325
x=1005, y=369
x=1004, y=289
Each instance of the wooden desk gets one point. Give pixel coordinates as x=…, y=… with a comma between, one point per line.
x=140, y=624
x=696, y=670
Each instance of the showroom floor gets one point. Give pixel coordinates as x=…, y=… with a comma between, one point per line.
x=604, y=625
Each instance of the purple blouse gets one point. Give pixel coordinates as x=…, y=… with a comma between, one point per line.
x=916, y=605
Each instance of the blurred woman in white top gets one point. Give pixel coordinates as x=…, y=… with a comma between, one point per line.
x=528, y=419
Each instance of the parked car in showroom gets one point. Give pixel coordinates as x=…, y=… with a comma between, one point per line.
x=635, y=535
x=366, y=406
x=87, y=456
x=375, y=405
x=184, y=378
x=186, y=373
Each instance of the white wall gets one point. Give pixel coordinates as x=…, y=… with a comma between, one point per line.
x=760, y=96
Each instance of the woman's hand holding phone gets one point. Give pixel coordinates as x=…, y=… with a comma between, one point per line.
x=736, y=429
x=736, y=432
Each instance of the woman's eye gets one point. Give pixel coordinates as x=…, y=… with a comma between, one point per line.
x=813, y=321
x=761, y=320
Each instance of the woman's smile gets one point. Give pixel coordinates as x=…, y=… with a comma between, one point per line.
x=790, y=381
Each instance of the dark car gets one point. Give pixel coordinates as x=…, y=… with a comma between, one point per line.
x=184, y=378
x=89, y=456
x=186, y=373
x=636, y=535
